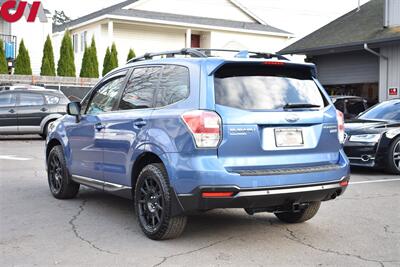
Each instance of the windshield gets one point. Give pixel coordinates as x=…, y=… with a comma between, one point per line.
x=260, y=87
x=384, y=111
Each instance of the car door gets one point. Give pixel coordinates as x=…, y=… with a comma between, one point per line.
x=86, y=136
x=8, y=114
x=30, y=112
x=127, y=126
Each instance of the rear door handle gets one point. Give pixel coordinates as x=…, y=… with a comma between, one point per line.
x=99, y=126
x=11, y=111
x=43, y=109
x=139, y=123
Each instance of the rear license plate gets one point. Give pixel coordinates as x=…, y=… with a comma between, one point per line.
x=289, y=137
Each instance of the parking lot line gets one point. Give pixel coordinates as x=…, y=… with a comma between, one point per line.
x=376, y=181
x=13, y=157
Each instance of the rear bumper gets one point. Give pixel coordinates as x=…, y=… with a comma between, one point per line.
x=270, y=199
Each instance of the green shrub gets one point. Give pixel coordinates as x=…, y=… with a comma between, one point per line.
x=94, y=63
x=48, y=67
x=113, y=57
x=23, y=62
x=66, y=64
x=106, y=62
x=3, y=60
x=131, y=54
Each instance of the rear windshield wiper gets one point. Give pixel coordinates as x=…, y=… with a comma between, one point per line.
x=299, y=105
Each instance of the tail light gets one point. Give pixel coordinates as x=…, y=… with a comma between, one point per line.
x=205, y=127
x=340, y=126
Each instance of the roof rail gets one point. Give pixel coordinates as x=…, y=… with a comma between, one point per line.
x=206, y=52
x=185, y=51
x=241, y=53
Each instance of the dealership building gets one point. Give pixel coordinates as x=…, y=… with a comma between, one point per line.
x=358, y=53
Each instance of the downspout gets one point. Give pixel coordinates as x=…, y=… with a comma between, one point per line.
x=366, y=48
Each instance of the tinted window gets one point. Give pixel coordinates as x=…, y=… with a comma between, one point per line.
x=339, y=105
x=31, y=100
x=384, y=111
x=140, y=90
x=264, y=87
x=7, y=100
x=174, y=85
x=51, y=99
x=105, y=98
x=355, y=107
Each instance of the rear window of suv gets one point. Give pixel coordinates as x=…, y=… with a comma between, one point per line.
x=259, y=86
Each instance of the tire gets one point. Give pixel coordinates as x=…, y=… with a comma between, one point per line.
x=153, y=204
x=393, y=160
x=301, y=216
x=60, y=183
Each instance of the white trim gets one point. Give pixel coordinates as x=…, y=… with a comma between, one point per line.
x=177, y=24
x=247, y=11
x=376, y=181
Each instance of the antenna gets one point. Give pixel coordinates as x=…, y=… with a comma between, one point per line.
x=358, y=8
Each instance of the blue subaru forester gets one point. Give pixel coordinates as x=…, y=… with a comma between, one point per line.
x=185, y=131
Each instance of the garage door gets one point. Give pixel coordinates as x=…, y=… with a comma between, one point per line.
x=347, y=68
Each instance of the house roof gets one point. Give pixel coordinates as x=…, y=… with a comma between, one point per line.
x=348, y=32
x=118, y=10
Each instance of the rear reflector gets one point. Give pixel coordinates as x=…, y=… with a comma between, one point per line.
x=205, y=126
x=344, y=183
x=217, y=194
x=274, y=63
x=340, y=126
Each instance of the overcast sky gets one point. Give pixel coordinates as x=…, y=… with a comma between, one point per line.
x=299, y=17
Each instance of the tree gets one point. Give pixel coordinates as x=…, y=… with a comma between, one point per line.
x=66, y=64
x=59, y=17
x=131, y=54
x=23, y=62
x=106, y=61
x=114, y=57
x=94, y=63
x=85, y=71
x=3, y=61
x=48, y=67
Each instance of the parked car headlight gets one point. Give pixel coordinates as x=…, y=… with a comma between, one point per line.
x=365, y=138
x=392, y=133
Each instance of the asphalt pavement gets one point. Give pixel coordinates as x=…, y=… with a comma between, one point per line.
x=360, y=228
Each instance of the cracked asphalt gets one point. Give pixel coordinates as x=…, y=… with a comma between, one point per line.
x=361, y=228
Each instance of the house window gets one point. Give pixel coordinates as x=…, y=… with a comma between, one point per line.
x=195, y=41
x=83, y=40
x=75, y=42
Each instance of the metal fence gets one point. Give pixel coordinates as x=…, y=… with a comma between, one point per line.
x=74, y=88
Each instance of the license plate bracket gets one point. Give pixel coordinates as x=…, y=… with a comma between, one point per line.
x=289, y=137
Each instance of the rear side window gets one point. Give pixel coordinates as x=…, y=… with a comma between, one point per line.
x=51, y=99
x=174, y=85
x=7, y=100
x=265, y=87
x=355, y=107
x=31, y=100
x=141, y=87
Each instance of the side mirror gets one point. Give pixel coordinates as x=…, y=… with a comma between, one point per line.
x=74, y=109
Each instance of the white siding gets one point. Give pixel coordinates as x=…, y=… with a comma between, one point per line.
x=244, y=41
x=389, y=77
x=146, y=39
x=393, y=13
x=203, y=8
x=347, y=68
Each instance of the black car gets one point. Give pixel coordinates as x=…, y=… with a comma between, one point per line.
x=373, y=138
x=350, y=106
x=30, y=111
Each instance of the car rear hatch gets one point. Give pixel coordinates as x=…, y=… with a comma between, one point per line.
x=275, y=119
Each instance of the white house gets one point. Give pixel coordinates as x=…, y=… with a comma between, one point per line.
x=156, y=25
x=33, y=33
